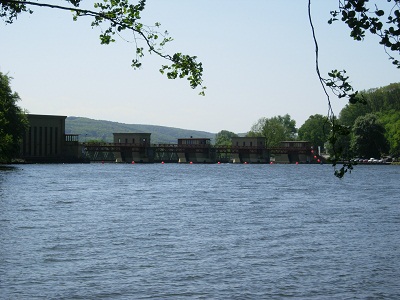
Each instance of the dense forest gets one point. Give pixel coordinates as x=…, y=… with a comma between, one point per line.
x=374, y=123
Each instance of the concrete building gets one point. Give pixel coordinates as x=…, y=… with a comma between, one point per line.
x=248, y=142
x=297, y=151
x=46, y=141
x=142, y=139
x=196, y=150
x=135, y=147
x=194, y=141
x=249, y=150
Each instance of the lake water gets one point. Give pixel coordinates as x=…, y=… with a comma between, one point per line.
x=153, y=231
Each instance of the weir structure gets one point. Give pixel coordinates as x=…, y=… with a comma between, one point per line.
x=46, y=142
x=288, y=152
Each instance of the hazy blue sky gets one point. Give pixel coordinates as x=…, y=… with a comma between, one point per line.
x=258, y=57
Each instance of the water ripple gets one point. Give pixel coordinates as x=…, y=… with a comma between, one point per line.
x=198, y=232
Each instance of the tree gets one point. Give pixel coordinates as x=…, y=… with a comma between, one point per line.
x=13, y=122
x=351, y=112
x=360, y=17
x=115, y=17
x=368, y=138
x=274, y=130
x=289, y=125
x=376, y=100
x=391, y=122
x=316, y=130
x=224, y=138
x=384, y=103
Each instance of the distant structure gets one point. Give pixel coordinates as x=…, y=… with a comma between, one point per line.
x=248, y=142
x=135, y=147
x=45, y=141
x=249, y=150
x=194, y=141
x=142, y=139
x=296, y=151
x=195, y=150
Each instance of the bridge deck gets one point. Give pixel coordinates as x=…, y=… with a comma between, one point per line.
x=117, y=147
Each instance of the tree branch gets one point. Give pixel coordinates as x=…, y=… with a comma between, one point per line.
x=123, y=16
x=91, y=13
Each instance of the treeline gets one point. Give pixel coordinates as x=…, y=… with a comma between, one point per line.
x=13, y=121
x=373, y=123
x=369, y=128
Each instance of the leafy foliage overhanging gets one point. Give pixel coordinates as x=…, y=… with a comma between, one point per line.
x=360, y=16
x=115, y=17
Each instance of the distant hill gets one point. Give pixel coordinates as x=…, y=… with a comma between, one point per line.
x=89, y=129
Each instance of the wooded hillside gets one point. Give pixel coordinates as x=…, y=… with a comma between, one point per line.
x=89, y=129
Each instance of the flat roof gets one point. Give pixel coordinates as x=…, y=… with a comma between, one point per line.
x=131, y=133
x=194, y=139
x=46, y=116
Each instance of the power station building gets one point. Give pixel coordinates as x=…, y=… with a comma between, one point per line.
x=45, y=140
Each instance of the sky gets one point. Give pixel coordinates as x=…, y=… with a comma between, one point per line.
x=258, y=58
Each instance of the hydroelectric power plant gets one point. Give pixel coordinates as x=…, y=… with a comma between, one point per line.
x=46, y=142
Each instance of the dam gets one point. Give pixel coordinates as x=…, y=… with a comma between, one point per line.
x=45, y=141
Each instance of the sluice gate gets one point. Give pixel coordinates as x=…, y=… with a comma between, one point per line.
x=186, y=153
